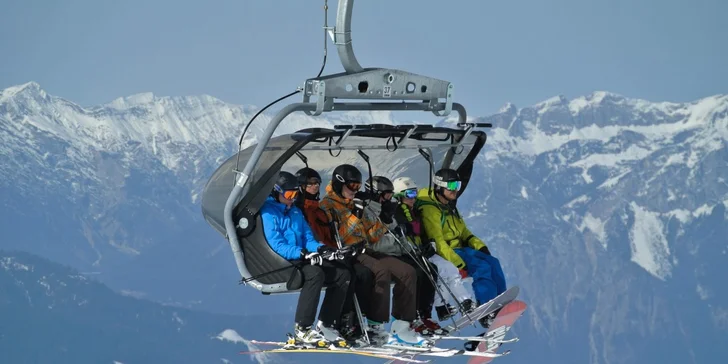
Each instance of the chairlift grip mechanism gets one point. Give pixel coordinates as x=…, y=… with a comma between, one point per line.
x=357, y=82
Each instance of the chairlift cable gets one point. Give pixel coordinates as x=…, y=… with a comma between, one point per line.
x=323, y=65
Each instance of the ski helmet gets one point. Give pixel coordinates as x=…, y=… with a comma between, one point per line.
x=447, y=179
x=286, y=184
x=380, y=185
x=306, y=174
x=405, y=187
x=346, y=174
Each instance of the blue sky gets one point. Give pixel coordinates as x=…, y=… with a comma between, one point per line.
x=253, y=51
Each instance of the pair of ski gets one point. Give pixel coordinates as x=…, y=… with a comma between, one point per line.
x=391, y=352
x=509, y=310
x=484, y=353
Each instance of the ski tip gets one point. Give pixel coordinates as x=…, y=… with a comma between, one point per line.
x=512, y=307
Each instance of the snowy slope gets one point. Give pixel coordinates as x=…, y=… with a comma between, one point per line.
x=609, y=212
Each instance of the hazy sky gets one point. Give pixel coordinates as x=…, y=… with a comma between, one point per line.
x=253, y=51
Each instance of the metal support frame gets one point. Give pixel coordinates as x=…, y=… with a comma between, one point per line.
x=241, y=186
x=342, y=37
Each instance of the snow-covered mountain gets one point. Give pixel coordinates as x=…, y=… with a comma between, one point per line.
x=113, y=189
x=609, y=212
x=51, y=313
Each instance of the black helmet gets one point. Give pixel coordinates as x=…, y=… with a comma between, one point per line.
x=380, y=184
x=286, y=182
x=305, y=174
x=344, y=174
x=447, y=179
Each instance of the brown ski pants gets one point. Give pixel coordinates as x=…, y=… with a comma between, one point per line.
x=389, y=269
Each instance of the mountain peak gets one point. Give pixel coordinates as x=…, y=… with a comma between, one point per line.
x=29, y=89
x=133, y=100
x=508, y=108
x=552, y=102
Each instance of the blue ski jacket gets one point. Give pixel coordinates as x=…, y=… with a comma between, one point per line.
x=286, y=229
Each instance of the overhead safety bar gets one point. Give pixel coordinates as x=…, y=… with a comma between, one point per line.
x=403, y=142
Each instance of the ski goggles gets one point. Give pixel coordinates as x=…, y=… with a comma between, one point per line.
x=288, y=194
x=410, y=193
x=353, y=185
x=451, y=186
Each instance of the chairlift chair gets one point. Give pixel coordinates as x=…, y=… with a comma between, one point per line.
x=232, y=198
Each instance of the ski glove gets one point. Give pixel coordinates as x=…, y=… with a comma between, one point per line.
x=463, y=273
x=325, y=249
x=387, y=213
x=347, y=254
x=328, y=253
x=485, y=250
x=428, y=250
x=314, y=258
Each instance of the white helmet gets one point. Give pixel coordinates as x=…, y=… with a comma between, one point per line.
x=403, y=183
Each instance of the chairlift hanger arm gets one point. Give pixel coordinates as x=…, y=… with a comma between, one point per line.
x=357, y=82
x=342, y=37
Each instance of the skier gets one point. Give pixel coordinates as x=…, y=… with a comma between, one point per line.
x=405, y=190
x=289, y=235
x=379, y=196
x=443, y=223
x=340, y=205
x=309, y=183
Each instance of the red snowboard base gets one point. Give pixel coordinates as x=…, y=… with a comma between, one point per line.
x=498, y=329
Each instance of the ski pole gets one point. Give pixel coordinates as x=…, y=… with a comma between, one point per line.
x=416, y=249
x=459, y=303
x=427, y=264
x=362, y=324
x=427, y=273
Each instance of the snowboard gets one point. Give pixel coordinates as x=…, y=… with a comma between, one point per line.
x=496, y=333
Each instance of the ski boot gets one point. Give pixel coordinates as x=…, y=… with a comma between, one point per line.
x=472, y=345
x=332, y=336
x=307, y=337
x=488, y=319
x=351, y=331
x=445, y=312
x=427, y=327
x=468, y=306
x=403, y=335
x=376, y=333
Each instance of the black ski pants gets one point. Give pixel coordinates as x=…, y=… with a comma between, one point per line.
x=425, y=289
x=361, y=285
x=336, y=278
